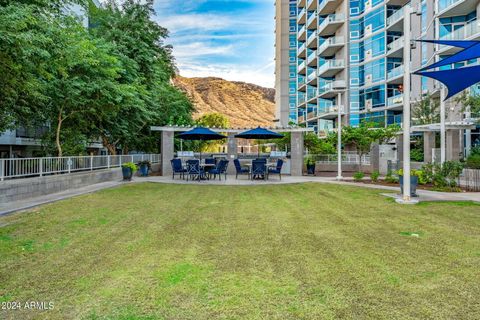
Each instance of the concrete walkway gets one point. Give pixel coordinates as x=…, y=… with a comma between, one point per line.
x=393, y=192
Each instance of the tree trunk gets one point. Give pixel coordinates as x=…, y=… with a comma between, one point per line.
x=57, y=134
x=110, y=147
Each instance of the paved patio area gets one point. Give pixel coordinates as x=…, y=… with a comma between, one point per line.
x=392, y=192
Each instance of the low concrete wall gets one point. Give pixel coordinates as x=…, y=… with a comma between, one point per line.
x=345, y=168
x=19, y=189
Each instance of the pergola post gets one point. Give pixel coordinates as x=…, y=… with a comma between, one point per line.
x=297, y=150
x=167, y=152
x=428, y=145
x=232, y=152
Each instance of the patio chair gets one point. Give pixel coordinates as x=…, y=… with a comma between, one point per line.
x=277, y=169
x=194, y=170
x=220, y=169
x=210, y=161
x=177, y=168
x=259, y=169
x=239, y=169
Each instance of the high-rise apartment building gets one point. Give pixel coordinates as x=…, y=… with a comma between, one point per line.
x=349, y=57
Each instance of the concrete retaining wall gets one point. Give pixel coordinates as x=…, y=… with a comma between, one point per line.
x=19, y=189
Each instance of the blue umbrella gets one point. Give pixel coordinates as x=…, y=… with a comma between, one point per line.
x=259, y=134
x=202, y=134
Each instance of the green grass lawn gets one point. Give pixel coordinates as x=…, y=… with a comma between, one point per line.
x=305, y=251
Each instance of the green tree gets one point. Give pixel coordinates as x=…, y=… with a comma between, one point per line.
x=426, y=111
x=212, y=120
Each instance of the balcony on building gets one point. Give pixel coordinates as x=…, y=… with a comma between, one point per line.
x=302, y=16
x=301, y=67
x=312, y=40
x=312, y=59
x=396, y=2
x=395, y=48
x=331, y=89
x=330, y=112
x=450, y=8
x=312, y=20
x=330, y=46
x=312, y=77
x=395, y=102
x=312, y=4
x=330, y=24
x=302, y=83
x=302, y=51
x=312, y=94
x=302, y=34
x=328, y=6
x=470, y=31
x=395, y=21
x=395, y=75
x=331, y=67
x=301, y=3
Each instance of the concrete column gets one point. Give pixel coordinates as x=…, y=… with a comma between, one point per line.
x=167, y=152
x=399, y=144
x=375, y=157
x=453, y=145
x=297, y=149
x=232, y=152
x=428, y=145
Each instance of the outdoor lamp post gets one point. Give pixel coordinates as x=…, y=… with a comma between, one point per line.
x=339, y=137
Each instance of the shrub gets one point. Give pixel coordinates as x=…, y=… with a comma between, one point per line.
x=416, y=155
x=145, y=162
x=390, y=178
x=442, y=176
x=309, y=160
x=358, y=176
x=130, y=165
x=473, y=161
x=374, y=176
x=475, y=151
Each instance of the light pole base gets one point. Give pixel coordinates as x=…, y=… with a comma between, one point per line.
x=339, y=178
x=406, y=201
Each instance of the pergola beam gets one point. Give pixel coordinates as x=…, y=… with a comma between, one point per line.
x=229, y=130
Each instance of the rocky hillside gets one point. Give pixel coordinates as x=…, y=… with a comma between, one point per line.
x=245, y=104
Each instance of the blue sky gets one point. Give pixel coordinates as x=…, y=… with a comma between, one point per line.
x=231, y=39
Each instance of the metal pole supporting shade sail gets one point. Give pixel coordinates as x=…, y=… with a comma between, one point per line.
x=456, y=80
x=259, y=134
x=201, y=134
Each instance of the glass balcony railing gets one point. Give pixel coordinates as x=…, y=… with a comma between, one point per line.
x=301, y=80
x=312, y=56
x=312, y=37
x=467, y=31
x=395, y=100
x=311, y=94
x=395, y=72
x=311, y=18
x=333, y=85
x=302, y=31
x=301, y=14
x=396, y=44
x=331, y=19
x=331, y=42
x=331, y=64
x=302, y=48
x=301, y=66
x=312, y=75
x=397, y=15
x=444, y=4
x=301, y=97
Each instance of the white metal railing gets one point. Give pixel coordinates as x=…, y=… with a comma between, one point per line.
x=398, y=99
x=347, y=158
x=33, y=167
x=446, y=4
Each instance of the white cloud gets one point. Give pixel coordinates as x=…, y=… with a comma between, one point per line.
x=196, y=49
x=184, y=22
x=260, y=75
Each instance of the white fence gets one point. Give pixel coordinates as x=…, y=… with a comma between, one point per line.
x=347, y=158
x=32, y=167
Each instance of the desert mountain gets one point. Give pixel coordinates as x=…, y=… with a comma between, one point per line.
x=244, y=104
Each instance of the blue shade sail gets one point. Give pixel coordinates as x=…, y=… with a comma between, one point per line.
x=456, y=80
x=459, y=79
x=201, y=133
x=259, y=133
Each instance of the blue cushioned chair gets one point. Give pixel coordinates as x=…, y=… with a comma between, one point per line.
x=210, y=161
x=259, y=169
x=239, y=169
x=194, y=170
x=177, y=168
x=277, y=169
x=220, y=169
